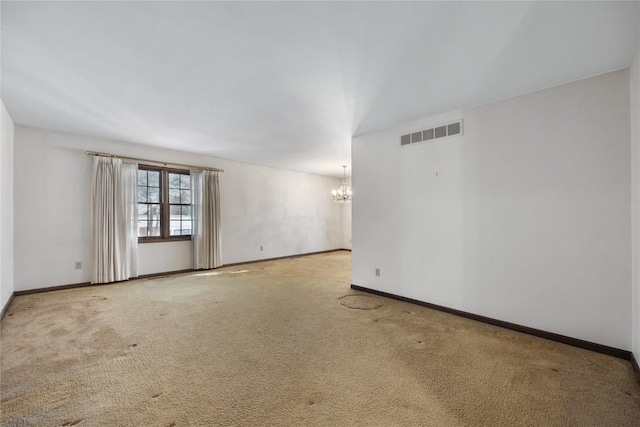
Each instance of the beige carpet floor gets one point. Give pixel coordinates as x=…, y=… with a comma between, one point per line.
x=275, y=344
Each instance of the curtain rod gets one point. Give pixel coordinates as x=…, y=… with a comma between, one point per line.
x=95, y=153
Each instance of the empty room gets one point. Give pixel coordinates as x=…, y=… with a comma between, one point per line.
x=319, y=213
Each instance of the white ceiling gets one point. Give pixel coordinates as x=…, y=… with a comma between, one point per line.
x=288, y=84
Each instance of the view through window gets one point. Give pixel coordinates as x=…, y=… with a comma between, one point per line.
x=164, y=203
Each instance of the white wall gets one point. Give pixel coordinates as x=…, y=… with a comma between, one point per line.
x=346, y=222
x=634, y=90
x=528, y=220
x=6, y=207
x=286, y=212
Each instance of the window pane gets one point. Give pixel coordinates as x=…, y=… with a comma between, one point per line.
x=185, y=196
x=186, y=212
x=142, y=212
x=154, y=211
x=175, y=211
x=154, y=228
x=186, y=228
x=142, y=178
x=174, y=180
x=154, y=179
x=154, y=220
x=142, y=194
x=142, y=228
x=174, y=196
x=148, y=220
x=154, y=195
x=185, y=181
x=175, y=229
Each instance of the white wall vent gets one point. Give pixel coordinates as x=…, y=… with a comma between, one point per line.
x=440, y=131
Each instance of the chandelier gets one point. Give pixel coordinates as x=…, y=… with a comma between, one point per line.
x=342, y=194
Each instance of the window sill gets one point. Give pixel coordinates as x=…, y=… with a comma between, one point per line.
x=161, y=239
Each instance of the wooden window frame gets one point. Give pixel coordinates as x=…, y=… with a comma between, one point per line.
x=165, y=234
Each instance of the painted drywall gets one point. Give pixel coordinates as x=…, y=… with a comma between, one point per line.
x=634, y=95
x=285, y=212
x=164, y=256
x=525, y=218
x=6, y=207
x=346, y=222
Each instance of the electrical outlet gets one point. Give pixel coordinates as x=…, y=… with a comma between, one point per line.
x=377, y=272
x=261, y=249
x=78, y=265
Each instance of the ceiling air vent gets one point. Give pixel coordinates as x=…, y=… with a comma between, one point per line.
x=440, y=131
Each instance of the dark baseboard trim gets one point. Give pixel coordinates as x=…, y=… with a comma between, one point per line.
x=611, y=351
x=83, y=284
x=52, y=288
x=166, y=273
x=191, y=270
x=635, y=366
x=155, y=275
x=6, y=306
x=284, y=257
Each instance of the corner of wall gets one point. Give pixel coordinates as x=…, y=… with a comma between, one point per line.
x=6, y=208
x=346, y=223
x=634, y=97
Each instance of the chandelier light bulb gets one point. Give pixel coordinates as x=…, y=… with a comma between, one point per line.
x=342, y=194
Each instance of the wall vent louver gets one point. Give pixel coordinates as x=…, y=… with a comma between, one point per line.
x=440, y=131
x=453, y=129
x=427, y=134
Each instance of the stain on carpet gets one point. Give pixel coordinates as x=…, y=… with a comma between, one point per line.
x=272, y=347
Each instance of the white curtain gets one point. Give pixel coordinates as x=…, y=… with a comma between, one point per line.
x=114, y=218
x=205, y=234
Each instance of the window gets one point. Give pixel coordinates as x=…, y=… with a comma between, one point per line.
x=179, y=204
x=164, y=204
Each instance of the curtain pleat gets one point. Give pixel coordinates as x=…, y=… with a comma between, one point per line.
x=206, y=235
x=196, y=214
x=130, y=183
x=114, y=244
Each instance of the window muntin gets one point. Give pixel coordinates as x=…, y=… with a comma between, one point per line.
x=164, y=204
